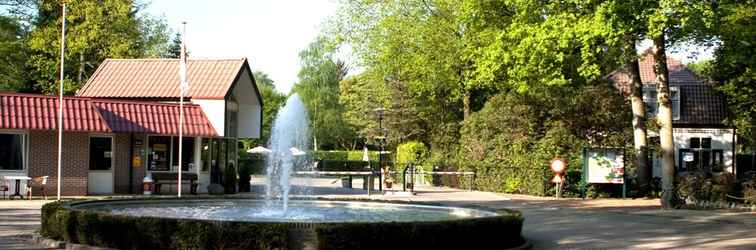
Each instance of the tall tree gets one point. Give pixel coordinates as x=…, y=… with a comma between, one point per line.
x=734, y=66
x=174, y=50
x=273, y=101
x=627, y=22
x=96, y=30
x=13, y=75
x=672, y=22
x=318, y=87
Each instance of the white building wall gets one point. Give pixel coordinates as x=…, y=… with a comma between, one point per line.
x=720, y=139
x=250, y=109
x=215, y=110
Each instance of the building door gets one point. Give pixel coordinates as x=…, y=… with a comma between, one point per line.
x=101, y=156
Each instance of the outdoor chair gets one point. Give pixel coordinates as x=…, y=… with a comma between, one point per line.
x=4, y=187
x=38, y=182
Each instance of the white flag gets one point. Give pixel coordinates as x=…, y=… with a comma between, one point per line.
x=184, y=86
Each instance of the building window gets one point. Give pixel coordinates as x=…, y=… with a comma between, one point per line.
x=187, y=152
x=652, y=105
x=11, y=151
x=699, y=156
x=159, y=149
x=100, y=153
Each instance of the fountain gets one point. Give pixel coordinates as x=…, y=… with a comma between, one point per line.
x=289, y=136
x=275, y=222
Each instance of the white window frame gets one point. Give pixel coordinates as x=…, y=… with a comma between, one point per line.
x=674, y=98
x=24, y=151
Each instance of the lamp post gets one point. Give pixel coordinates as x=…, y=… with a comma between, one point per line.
x=381, y=144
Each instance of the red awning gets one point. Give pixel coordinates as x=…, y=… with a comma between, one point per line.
x=153, y=118
x=40, y=112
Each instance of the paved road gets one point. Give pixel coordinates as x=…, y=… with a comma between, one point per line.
x=549, y=224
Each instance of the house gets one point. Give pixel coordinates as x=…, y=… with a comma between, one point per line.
x=702, y=140
x=123, y=125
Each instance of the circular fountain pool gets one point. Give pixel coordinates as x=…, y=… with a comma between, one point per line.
x=315, y=211
x=210, y=223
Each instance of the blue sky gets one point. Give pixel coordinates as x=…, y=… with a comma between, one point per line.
x=270, y=33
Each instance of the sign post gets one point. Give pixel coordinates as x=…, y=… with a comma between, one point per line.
x=558, y=166
x=604, y=165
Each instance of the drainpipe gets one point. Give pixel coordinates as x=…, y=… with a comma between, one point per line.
x=131, y=163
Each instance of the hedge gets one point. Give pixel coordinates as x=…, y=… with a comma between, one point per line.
x=61, y=222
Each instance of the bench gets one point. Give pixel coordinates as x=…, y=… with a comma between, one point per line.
x=171, y=178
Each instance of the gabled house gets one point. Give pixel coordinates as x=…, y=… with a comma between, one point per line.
x=123, y=125
x=702, y=140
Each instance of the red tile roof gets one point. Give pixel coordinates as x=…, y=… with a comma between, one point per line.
x=701, y=104
x=678, y=73
x=153, y=118
x=159, y=78
x=39, y=112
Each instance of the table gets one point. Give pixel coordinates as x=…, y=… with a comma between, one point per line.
x=18, y=184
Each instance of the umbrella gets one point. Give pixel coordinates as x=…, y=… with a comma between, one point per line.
x=258, y=150
x=296, y=152
x=365, y=155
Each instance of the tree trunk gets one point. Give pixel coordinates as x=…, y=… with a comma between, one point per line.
x=664, y=118
x=466, y=106
x=639, y=117
x=81, y=68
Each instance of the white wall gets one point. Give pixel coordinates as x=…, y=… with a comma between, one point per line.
x=720, y=139
x=249, y=107
x=215, y=111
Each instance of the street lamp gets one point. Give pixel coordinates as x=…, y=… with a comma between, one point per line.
x=381, y=144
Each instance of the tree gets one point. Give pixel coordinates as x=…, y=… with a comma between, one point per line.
x=95, y=30
x=174, y=50
x=273, y=101
x=627, y=23
x=734, y=66
x=671, y=22
x=13, y=50
x=318, y=87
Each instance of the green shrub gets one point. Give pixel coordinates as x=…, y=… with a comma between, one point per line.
x=60, y=222
x=704, y=186
x=749, y=191
x=515, y=136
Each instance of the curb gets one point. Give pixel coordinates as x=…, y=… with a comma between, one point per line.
x=38, y=239
x=525, y=246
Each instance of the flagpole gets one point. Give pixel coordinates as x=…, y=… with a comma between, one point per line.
x=60, y=97
x=182, y=89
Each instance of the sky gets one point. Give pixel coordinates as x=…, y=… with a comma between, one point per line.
x=269, y=33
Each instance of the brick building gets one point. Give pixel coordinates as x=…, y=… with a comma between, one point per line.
x=123, y=125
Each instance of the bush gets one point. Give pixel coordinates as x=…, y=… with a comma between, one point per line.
x=749, y=191
x=124, y=232
x=704, y=186
x=61, y=222
x=510, y=142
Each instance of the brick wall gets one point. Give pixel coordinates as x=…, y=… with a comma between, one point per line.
x=122, y=161
x=43, y=152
